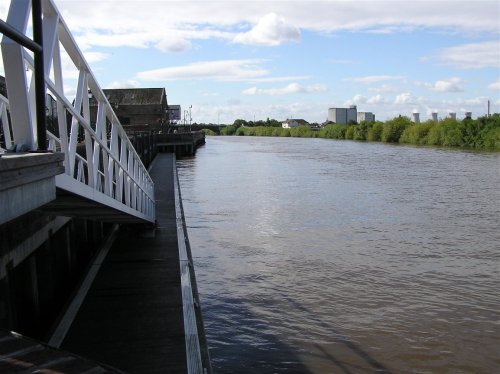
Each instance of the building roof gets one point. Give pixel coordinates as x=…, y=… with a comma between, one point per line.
x=135, y=96
x=298, y=120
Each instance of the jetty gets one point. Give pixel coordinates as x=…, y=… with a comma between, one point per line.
x=96, y=271
x=141, y=300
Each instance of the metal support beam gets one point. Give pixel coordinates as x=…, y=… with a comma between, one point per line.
x=40, y=89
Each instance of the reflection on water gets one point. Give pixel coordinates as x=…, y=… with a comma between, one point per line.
x=340, y=257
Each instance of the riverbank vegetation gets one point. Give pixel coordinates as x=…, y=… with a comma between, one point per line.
x=480, y=133
x=208, y=132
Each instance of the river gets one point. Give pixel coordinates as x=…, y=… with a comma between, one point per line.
x=324, y=256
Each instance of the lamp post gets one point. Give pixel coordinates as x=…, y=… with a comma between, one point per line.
x=190, y=118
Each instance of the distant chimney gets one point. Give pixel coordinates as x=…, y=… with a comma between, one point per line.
x=416, y=117
x=453, y=115
x=434, y=116
x=468, y=115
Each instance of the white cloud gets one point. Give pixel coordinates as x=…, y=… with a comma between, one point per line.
x=222, y=70
x=271, y=30
x=91, y=56
x=172, y=25
x=356, y=100
x=289, y=89
x=384, y=88
x=471, y=56
x=344, y=62
x=375, y=79
x=405, y=98
x=108, y=38
x=377, y=99
x=124, y=84
x=173, y=45
x=446, y=85
x=280, y=79
x=495, y=86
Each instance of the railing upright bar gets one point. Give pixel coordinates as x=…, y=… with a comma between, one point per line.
x=40, y=89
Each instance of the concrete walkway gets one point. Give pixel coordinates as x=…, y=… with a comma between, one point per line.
x=132, y=316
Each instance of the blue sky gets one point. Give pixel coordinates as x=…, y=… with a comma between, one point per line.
x=281, y=59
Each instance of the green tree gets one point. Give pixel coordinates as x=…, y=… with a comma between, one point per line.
x=228, y=130
x=416, y=133
x=349, y=133
x=333, y=131
x=374, y=133
x=240, y=122
x=446, y=132
x=208, y=132
x=360, y=131
x=393, y=129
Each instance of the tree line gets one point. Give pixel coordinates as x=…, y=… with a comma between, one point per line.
x=480, y=133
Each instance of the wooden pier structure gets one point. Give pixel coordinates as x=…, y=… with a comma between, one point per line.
x=182, y=144
x=138, y=295
x=133, y=315
x=95, y=264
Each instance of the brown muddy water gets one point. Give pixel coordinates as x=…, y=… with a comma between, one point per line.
x=321, y=256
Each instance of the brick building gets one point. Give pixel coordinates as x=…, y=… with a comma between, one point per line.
x=138, y=109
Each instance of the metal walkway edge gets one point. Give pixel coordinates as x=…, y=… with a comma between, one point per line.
x=133, y=315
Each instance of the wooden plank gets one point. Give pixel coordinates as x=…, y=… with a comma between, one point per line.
x=19, y=354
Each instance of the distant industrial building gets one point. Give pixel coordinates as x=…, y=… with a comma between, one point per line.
x=434, y=116
x=343, y=115
x=366, y=116
x=349, y=115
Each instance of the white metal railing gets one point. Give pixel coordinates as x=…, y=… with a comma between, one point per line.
x=7, y=141
x=99, y=156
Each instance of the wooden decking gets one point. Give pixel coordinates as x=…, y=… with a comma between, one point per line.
x=19, y=354
x=132, y=317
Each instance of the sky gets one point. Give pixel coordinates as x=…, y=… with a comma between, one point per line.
x=294, y=59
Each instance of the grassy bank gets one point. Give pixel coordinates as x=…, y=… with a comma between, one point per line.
x=480, y=133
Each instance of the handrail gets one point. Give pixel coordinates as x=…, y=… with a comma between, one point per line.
x=18, y=37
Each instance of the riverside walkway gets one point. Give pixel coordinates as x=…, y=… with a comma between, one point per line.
x=137, y=308
x=133, y=317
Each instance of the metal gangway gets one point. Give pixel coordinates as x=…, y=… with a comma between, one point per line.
x=104, y=177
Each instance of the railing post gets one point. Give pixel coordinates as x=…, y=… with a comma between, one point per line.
x=36, y=8
x=15, y=75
